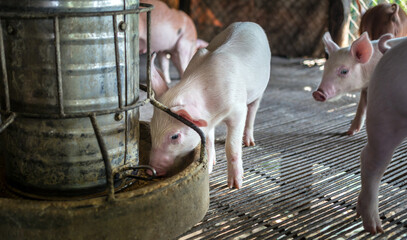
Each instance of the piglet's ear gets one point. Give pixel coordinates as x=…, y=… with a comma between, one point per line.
x=191, y=115
x=362, y=49
x=330, y=45
x=382, y=44
x=394, y=9
x=395, y=13
x=157, y=78
x=201, y=43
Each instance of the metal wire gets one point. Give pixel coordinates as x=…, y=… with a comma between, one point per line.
x=7, y=122
x=117, y=58
x=121, y=172
x=4, y=70
x=106, y=159
x=186, y=122
x=58, y=67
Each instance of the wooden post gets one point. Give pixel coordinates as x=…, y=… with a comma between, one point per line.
x=339, y=18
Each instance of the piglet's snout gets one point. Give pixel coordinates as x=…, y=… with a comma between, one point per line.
x=160, y=162
x=319, y=95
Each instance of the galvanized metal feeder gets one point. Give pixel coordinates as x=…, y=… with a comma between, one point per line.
x=70, y=134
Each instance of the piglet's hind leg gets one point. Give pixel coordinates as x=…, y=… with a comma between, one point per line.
x=383, y=138
x=248, y=138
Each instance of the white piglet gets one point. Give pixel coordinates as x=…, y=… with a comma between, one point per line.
x=350, y=69
x=386, y=125
x=223, y=83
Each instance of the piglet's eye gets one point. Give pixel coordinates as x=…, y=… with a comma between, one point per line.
x=174, y=137
x=344, y=71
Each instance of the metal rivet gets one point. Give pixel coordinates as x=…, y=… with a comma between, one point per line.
x=118, y=116
x=10, y=29
x=122, y=26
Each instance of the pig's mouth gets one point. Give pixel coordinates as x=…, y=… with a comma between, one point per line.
x=320, y=95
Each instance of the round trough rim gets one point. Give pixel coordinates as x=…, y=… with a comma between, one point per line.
x=191, y=170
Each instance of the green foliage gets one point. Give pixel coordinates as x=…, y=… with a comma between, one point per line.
x=401, y=3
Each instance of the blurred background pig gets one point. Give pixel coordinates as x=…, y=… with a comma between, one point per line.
x=349, y=69
x=386, y=126
x=223, y=83
x=383, y=18
x=172, y=32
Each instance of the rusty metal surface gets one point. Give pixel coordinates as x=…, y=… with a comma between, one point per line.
x=60, y=158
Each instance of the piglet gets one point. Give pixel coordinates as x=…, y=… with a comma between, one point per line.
x=349, y=69
x=384, y=18
x=172, y=32
x=222, y=83
x=386, y=126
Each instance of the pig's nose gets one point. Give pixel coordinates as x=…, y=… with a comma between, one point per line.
x=319, y=95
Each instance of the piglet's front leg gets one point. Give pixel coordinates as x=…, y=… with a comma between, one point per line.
x=360, y=116
x=235, y=125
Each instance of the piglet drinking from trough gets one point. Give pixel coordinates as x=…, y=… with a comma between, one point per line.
x=384, y=18
x=223, y=83
x=386, y=126
x=349, y=69
x=173, y=32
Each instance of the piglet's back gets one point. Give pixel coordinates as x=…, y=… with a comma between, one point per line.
x=247, y=44
x=238, y=37
x=234, y=66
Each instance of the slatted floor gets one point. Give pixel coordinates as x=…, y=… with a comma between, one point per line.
x=302, y=178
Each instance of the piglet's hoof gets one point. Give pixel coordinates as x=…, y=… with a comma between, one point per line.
x=248, y=142
x=370, y=216
x=235, y=183
x=352, y=131
x=235, y=173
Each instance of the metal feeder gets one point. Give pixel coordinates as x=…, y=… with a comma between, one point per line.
x=70, y=132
